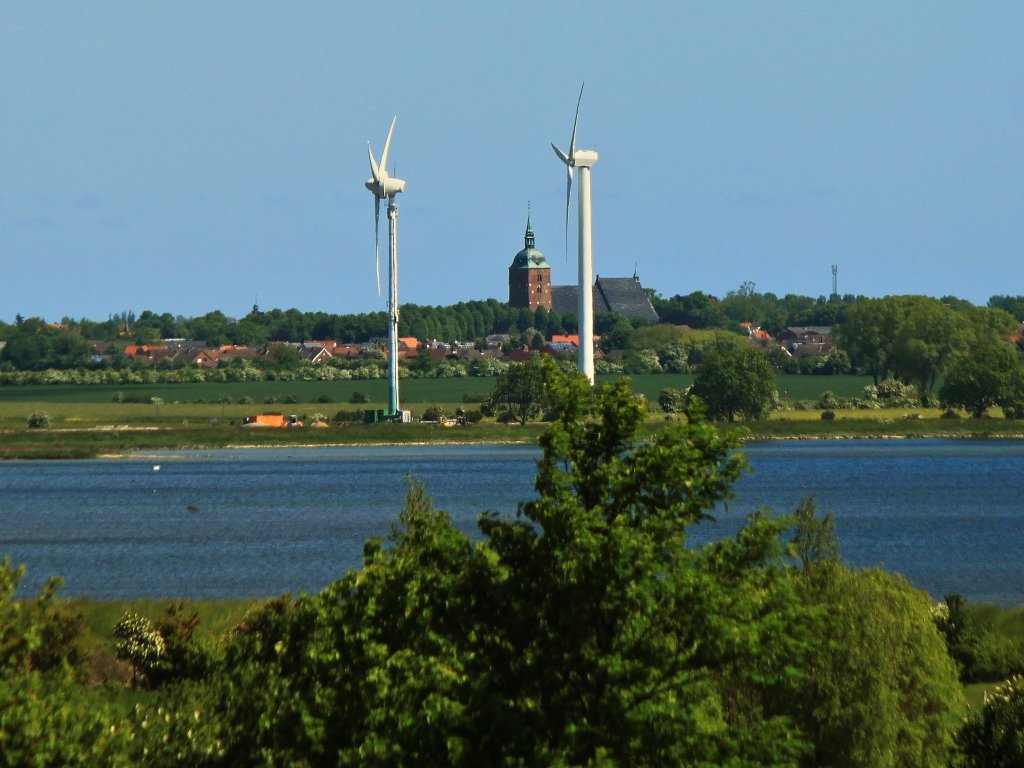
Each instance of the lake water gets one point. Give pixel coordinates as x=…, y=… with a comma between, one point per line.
x=948, y=515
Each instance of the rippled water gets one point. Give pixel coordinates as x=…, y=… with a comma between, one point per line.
x=258, y=522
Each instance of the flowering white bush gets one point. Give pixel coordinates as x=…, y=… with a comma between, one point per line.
x=139, y=643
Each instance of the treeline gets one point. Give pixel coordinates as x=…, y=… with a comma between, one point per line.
x=914, y=338
x=459, y=322
x=588, y=629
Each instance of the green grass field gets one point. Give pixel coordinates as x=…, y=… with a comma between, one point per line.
x=84, y=421
x=413, y=391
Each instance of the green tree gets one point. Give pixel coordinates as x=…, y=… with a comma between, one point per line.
x=519, y=390
x=929, y=339
x=697, y=310
x=989, y=374
x=1014, y=305
x=618, y=337
x=881, y=689
x=735, y=381
x=868, y=332
x=672, y=400
x=613, y=642
x=35, y=346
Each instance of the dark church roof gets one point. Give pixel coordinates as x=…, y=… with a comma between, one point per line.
x=529, y=257
x=624, y=295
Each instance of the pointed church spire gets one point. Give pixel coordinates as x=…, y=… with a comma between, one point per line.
x=529, y=228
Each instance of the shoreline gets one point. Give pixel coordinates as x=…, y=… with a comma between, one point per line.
x=120, y=440
x=151, y=452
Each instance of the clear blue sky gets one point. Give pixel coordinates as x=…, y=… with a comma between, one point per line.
x=189, y=156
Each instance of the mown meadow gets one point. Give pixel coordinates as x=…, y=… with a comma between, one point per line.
x=92, y=420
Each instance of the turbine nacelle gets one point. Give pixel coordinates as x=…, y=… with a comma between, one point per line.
x=584, y=158
x=386, y=186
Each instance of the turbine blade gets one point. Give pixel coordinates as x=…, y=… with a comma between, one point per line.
x=374, y=170
x=568, y=195
x=572, y=143
x=561, y=155
x=376, y=239
x=387, y=146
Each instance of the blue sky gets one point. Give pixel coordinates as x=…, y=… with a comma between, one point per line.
x=191, y=156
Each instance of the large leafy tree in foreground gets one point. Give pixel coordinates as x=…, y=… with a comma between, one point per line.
x=588, y=630
x=582, y=631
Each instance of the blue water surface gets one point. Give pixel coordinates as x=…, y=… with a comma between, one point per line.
x=258, y=522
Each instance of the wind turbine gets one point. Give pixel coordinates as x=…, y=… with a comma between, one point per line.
x=384, y=186
x=584, y=159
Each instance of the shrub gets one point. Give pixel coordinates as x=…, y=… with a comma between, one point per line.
x=39, y=420
x=359, y=398
x=828, y=400
x=828, y=415
x=892, y=393
x=140, y=644
x=672, y=400
x=325, y=399
x=290, y=399
x=992, y=736
x=184, y=658
x=245, y=400
x=39, y=635
x=433, y=413
x=981, y=653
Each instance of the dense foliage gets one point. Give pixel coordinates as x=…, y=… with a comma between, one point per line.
x=917, y=338
x=735, y=381
x=519, y=391
x=990, y=373
x=994, y=736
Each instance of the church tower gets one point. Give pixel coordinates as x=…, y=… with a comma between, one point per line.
x=529, y=277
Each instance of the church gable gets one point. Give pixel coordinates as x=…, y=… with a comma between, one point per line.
x=626, y=296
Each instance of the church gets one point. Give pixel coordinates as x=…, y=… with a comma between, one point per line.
x=529, y=286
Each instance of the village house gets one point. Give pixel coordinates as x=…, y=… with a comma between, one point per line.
x=807, y=340
x=757, y=334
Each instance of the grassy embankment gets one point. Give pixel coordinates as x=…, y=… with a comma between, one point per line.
x=85, y=421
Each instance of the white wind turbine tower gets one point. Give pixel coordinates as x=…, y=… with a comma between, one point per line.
x=383, y=186
x=584, y=159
